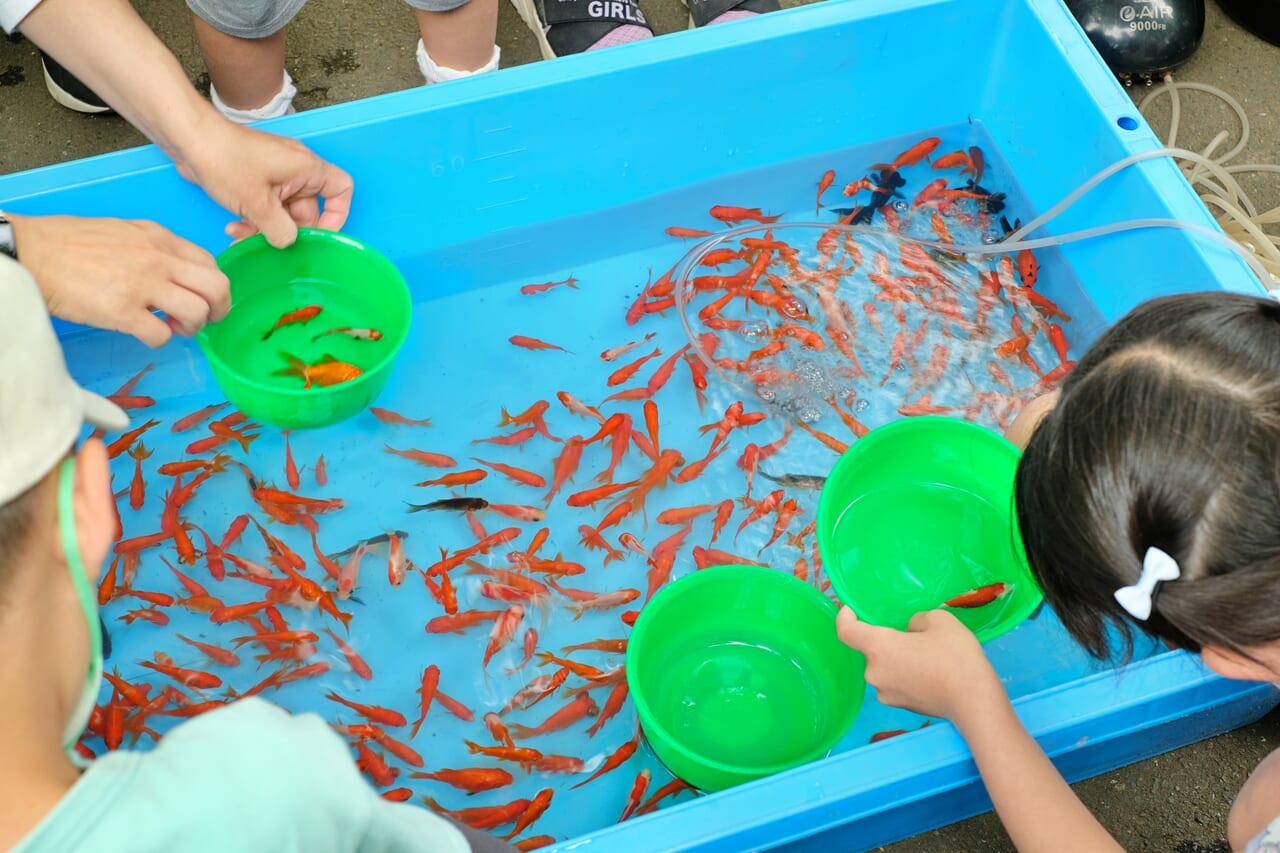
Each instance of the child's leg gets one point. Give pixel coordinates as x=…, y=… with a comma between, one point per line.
x=457, y=38
x=1257, y=804
x=243, y=43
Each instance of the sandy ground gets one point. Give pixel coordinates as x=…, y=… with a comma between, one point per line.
x=341, y=50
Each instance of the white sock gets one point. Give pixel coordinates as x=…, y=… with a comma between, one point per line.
x=433, y=73
x=281, y=104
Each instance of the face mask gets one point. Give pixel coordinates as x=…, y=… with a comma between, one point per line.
x=88, y=603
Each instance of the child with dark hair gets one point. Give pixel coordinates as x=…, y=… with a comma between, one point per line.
x=245, y=777
x=1148, y=497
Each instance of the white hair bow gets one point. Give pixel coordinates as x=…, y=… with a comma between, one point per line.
x=1156, y=566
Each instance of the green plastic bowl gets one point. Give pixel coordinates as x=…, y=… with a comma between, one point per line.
x=356, y=286
x=736, y=674
x=918, y=512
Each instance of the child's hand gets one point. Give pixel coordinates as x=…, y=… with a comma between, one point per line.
x=936, y=667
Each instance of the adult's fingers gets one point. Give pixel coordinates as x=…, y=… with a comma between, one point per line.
x=184, y=306
x=304, y=210
x=268, y=212
x=241, y=229
x=336, y=189
x=206, y=282
x=146, y=327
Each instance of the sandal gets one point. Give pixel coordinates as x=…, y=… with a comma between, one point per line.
x=575, y=26
x=703, y=12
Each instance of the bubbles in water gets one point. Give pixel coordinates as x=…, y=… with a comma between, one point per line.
x=809, y=414
x=794, y=308
x=809, y=370
x=900, y=206
x=754, y=331
x=861, y=406
x=991, y=236
x=764, y=392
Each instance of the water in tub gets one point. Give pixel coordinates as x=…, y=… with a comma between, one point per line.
x=838, y=333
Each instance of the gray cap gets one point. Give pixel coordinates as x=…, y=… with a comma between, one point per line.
x=42, y=409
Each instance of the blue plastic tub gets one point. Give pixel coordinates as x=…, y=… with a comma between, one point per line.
x=573, y=167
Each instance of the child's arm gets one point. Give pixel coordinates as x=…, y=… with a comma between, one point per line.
x=937, y=668
x=1257, y=804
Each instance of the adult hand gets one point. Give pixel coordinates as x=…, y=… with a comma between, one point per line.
x=111, y=273
x=273, y=183
x=936, y=667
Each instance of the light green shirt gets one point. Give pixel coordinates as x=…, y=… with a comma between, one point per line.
x=248, y=777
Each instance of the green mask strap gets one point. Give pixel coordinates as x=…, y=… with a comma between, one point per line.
x=88, y=601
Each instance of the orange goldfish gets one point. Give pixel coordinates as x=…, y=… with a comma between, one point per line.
x=389, y=417
x=149, y=613
x=459, y=622
x=124, y=442
x=374, y=713
x=950, y=161
x=583, y=706
x=430, y=683
x=325, y=372
x=824, y=183
x=519, y=754
x=217, y=654
x=614, y=353
x=687, y=233
x=539, y=688
x=590, y=497
x=423, y=457
x=638, y=788
x=733, y=215
x=670, y=789
x=290, y=469
x=615, y=760
x=137, y=489
x=979, y=597
x=397, y=564
x=622, y=374
x=577, y=407
x=1028, y=268
x=483, y=817
x=457, y=478
x=299, y=315
x=375, y=766
x=518, y=475
x=186, y=677
x=920, y=151
x=566, y=464
x=504, y=628
x=357, y=663
x=612, y=705
x=473, y=780
x=533, y=289
x=534, y=344
x=541, y=802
